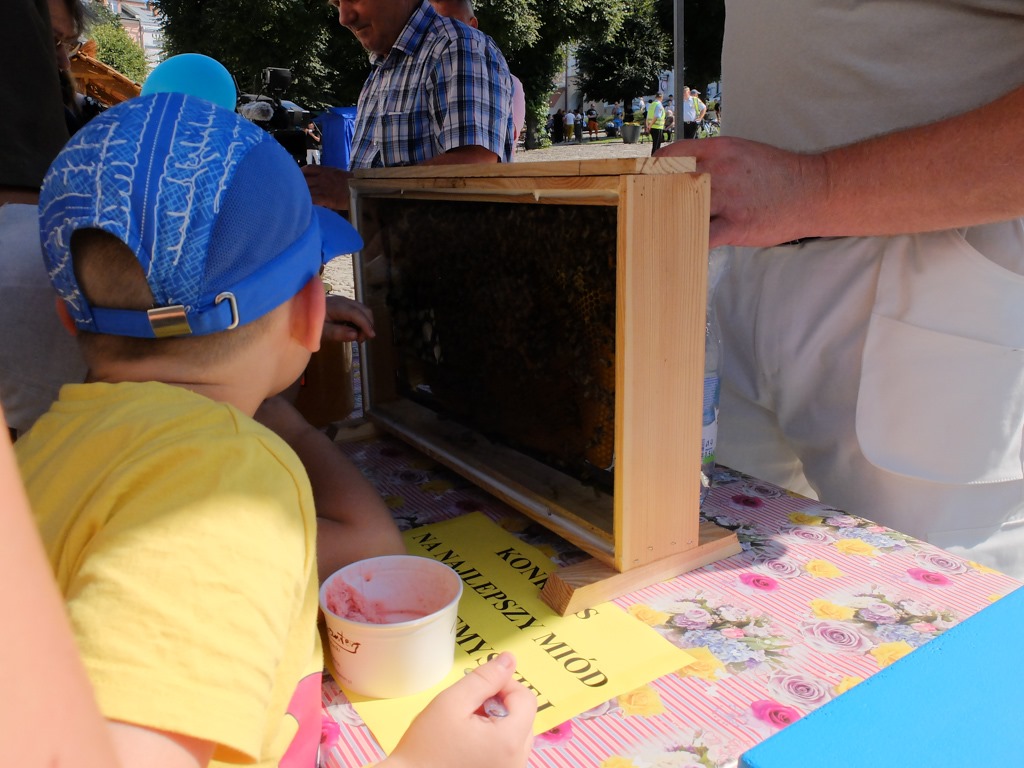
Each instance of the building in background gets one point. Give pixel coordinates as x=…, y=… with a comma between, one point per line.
x=142, y=22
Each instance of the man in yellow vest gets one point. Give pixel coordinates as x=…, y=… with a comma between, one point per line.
x=655, y=122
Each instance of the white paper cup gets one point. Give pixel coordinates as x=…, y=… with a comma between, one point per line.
x=391, y=624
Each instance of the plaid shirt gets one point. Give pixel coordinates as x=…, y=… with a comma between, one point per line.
x=442, y=85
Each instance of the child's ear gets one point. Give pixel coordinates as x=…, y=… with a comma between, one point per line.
x=309, y=312
x=65, y=316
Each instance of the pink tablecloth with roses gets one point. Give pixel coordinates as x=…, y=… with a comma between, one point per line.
x=817, y=601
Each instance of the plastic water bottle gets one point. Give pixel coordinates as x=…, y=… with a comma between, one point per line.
x=717, y=261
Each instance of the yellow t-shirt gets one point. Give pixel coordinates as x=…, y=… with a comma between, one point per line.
x=183, y=537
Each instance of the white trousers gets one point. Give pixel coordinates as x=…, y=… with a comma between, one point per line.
x=879, y=375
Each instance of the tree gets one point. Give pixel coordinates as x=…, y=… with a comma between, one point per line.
x=628, y=65
x=328, y=65
x=115, y=48
x=533, y=34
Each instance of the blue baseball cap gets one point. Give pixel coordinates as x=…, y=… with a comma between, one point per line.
x=216, y=211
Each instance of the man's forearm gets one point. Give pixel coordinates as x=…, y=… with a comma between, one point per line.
x=959, y=172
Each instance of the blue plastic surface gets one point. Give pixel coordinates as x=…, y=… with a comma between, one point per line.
x=338, y=125
x=955, y=701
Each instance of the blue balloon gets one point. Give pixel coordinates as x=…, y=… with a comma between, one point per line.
x=195, y=75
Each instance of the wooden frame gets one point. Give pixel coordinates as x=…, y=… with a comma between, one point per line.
x=648, y=529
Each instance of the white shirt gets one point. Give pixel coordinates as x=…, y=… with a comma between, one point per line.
x=690, y=109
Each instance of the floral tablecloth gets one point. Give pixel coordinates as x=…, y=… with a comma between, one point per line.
x=817, y=601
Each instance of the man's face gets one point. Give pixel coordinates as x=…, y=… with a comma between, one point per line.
x=375, y=23
x=64, y=32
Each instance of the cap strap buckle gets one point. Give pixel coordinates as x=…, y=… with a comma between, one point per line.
x=169, y=321
x=230, y=298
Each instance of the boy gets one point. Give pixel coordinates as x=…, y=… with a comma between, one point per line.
x=186, y=250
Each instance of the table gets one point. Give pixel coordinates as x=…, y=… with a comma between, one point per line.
x=817, y=601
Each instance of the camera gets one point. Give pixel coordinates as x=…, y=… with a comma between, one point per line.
x=283, y=119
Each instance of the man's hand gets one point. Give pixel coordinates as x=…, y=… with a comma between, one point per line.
x=328, y=186
x=900, y=182
x=760, y=195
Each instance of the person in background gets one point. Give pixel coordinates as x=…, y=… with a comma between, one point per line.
x=591, y=116
x=873, y=313
x=713, y=108
x=699, y=107
x=558, y=127
x=314, y=139
x=655, y=122
x=188, y=567
x=569, y=119
x=670, y=122
x=462, y=10
x=417, y=107
x=690, y=113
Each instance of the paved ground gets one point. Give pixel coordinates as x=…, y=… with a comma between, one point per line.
x=339, y=272
x=601, y=148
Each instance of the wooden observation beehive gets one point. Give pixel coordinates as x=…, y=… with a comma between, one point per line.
x=540, y=330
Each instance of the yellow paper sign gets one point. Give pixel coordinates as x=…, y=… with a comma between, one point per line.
x=572, y=663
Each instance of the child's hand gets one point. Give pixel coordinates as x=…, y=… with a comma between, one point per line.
x=453, y=732
x=347, y=320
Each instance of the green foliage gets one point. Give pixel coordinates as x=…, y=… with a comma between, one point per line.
x=629, y=63
x=533, y=35
x=115, y=48
x=328, y=65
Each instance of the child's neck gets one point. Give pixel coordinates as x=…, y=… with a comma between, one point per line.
x=224, y=384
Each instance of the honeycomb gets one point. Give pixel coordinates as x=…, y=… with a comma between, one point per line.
x=503, y=319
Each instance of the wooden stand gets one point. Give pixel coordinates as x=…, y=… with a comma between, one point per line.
x=648, y=528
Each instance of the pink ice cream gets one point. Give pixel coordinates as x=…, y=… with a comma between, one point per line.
x=348, y=602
